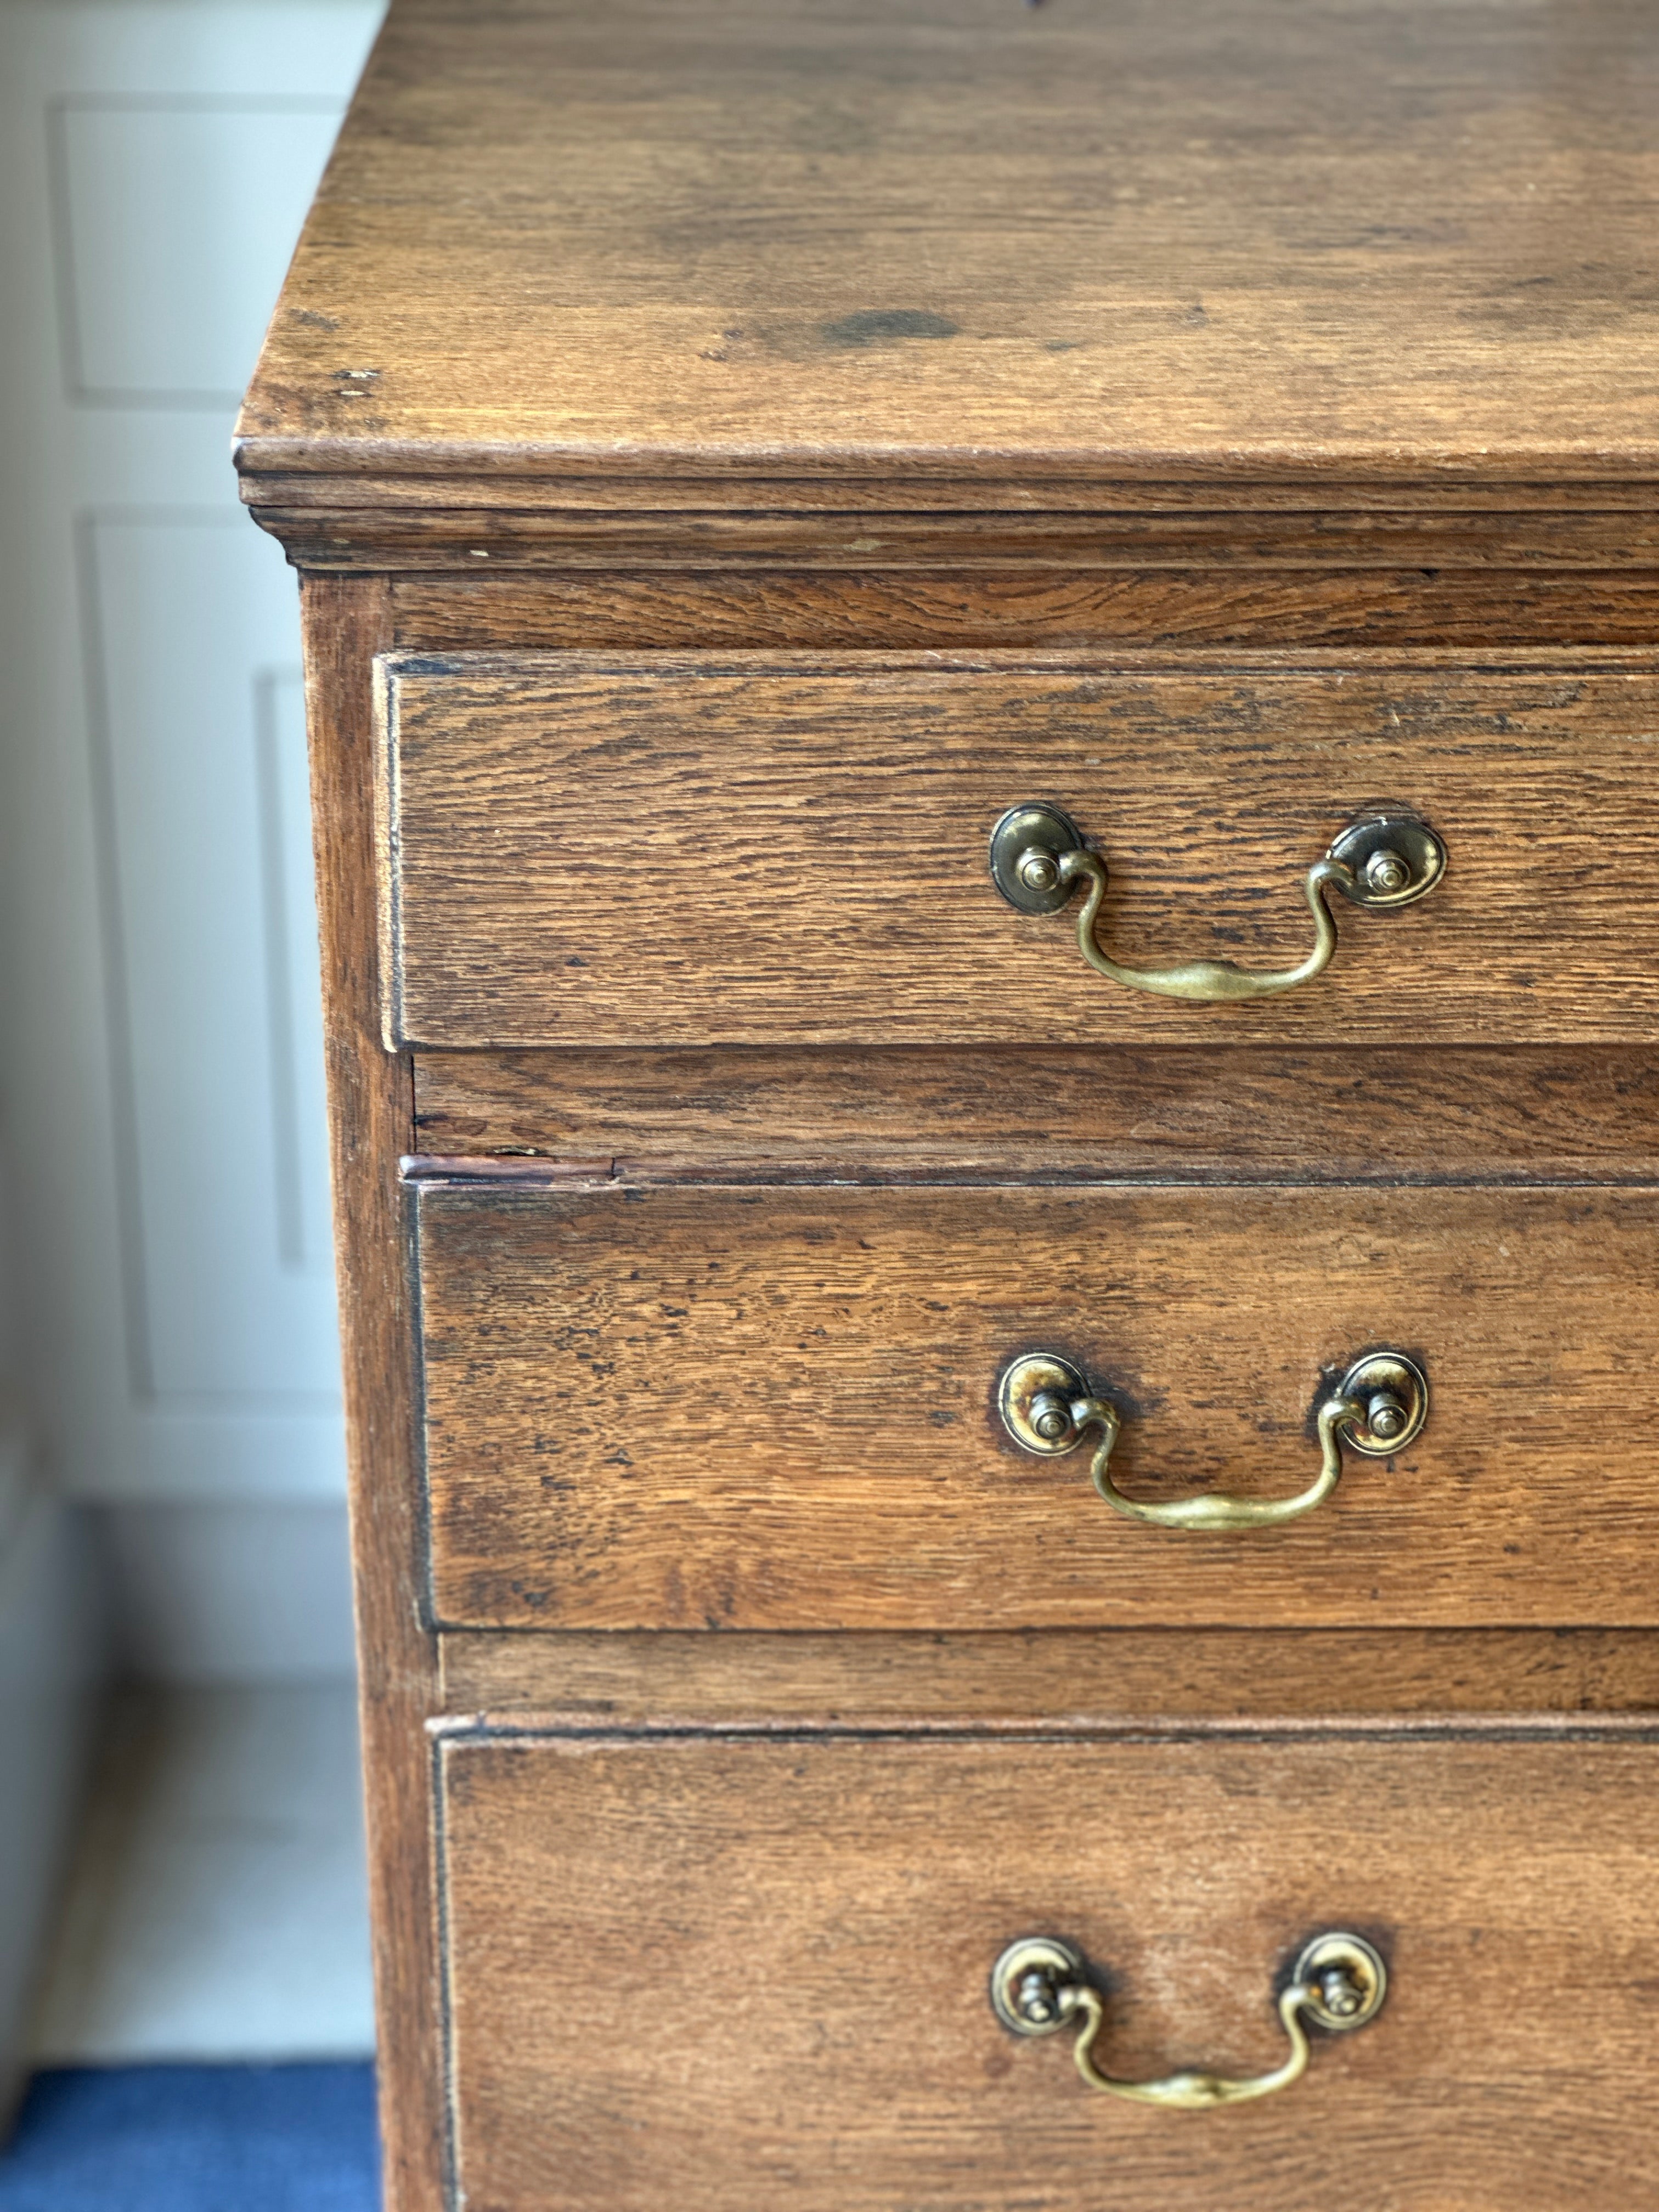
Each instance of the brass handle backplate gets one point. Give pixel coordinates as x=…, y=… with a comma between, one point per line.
x=1386, y=857
x=1040, y=1985
x=1378, y=1409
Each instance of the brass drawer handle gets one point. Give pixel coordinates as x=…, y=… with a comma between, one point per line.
x=1386, y=857
x=1039, y=1985
x=1378, y=1408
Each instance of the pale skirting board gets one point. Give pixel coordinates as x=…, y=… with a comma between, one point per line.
x=52, y=1648
x=219, y=1907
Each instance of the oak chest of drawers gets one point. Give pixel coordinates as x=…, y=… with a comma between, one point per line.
x=984, y=688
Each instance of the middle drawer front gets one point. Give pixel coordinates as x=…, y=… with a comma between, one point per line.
x=777, y=1407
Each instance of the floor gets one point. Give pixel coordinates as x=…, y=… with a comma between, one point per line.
x=195, y=2139
x=214, y=1949
x=218, y=1910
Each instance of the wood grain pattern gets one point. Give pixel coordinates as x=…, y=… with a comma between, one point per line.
x=1058, y=1678
x=1382, y=1114
x=644, y=367
x=369, y=1104
x=775, y=1407
x=763, y=849
x=729, y=1974
x=777, y=607
x=456, y=478
x=770, y=238
x=1079, y=546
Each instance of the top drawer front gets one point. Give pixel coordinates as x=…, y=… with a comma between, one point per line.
x=678, y=850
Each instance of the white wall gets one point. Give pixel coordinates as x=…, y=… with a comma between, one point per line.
x=161, y=1085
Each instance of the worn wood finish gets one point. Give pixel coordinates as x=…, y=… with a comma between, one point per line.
x=777, y=607
x=728, y=1973
x=1058, y=1678
x=763, y=849
x=487, y=482
x=767, y=240
x=1379, y=1114
x=1076, y=546
x=773, y=1407
x=778, y=434
x=369, y=1104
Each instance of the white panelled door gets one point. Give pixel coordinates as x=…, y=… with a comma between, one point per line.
x=199, y=774
x=162, y=1077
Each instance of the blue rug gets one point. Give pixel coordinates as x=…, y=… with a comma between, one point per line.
x=195, y=2139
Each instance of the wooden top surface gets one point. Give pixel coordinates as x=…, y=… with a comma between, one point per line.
x=1373, y=242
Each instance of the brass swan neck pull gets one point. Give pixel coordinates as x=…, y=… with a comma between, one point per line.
x=1039, y=1985
x=1386, y=857
x=1378, y=1409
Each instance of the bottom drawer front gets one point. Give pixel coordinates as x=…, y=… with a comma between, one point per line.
x=736, y=1973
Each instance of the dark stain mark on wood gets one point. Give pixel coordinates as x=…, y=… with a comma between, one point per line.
x=875, y=326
